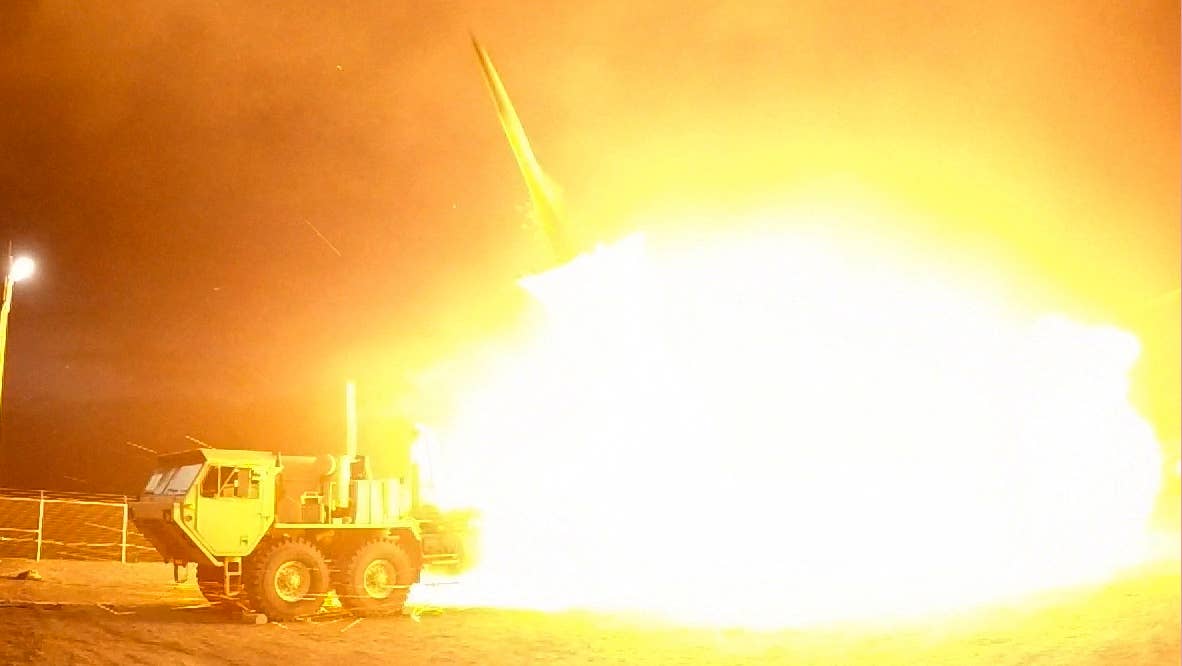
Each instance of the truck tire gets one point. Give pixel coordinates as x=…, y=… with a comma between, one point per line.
x=286, y=578
x=211, y=582
x=375, y=578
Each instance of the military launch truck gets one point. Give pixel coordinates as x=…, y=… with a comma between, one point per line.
x=274, y=533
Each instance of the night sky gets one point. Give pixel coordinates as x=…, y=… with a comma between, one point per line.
x=236, y=206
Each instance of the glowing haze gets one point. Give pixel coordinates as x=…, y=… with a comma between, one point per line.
x=771, y=429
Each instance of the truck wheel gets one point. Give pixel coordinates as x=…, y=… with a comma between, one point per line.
x=211, y=582
x=375, y=578
x=286, y=578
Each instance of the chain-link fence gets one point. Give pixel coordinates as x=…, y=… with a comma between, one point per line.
x=67, y=526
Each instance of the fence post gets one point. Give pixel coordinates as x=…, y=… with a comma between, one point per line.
x=123, y=546
x=40, y=523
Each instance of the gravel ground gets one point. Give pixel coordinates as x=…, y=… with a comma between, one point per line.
x=109, y=613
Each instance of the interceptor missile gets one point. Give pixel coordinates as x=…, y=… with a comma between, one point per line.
x=543, y=193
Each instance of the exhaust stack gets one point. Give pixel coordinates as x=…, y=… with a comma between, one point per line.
x=346, y=465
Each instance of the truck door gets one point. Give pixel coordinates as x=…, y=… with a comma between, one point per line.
x=235, y=507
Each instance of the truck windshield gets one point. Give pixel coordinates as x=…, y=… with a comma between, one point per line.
x=154, y=480
x=173, y=481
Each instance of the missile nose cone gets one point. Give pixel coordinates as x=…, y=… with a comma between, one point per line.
x=543, y=195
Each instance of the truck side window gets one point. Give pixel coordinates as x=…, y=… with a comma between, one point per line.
x=248, y=482
x=229, y=486
x=221, y=481
x=212, y=482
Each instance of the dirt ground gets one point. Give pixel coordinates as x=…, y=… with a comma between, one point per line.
x=109, y=613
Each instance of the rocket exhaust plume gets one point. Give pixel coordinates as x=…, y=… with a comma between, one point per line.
x=768, y=425
x=765, y=430
x=543, y=193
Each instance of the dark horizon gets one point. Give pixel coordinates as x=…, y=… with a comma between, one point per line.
x=235, y=209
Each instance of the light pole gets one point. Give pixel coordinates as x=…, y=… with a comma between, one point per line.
x=18, y=269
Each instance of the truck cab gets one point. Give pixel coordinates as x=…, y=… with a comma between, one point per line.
x=202, y=505
x=264, y=527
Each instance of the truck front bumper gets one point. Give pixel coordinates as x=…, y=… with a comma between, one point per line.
x=157, y=521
